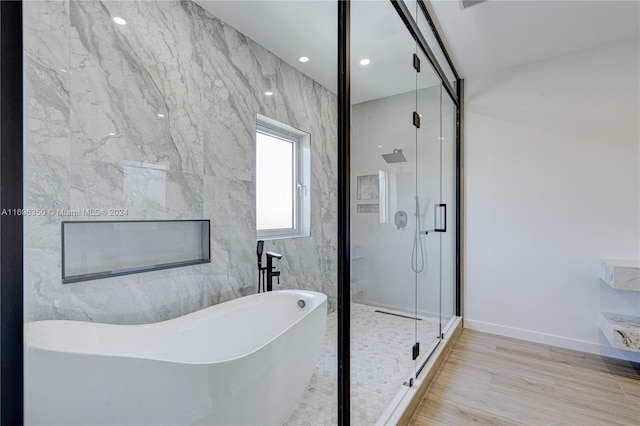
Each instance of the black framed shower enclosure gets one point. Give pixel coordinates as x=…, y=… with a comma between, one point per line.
x=344, y=145
x=11, y=181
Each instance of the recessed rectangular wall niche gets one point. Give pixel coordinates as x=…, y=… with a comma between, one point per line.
x=368, y=208
x=92, y=250
x=368, y=187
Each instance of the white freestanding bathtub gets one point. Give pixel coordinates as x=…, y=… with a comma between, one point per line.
x=243, y=362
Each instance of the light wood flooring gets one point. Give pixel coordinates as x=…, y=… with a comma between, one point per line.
x=488, y=379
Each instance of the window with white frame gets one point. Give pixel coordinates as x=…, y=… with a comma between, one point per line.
x=283, y=180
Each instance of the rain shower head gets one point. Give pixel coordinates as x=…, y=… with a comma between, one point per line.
x=396, y=157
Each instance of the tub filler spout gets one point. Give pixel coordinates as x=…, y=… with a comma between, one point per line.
x=271, y=270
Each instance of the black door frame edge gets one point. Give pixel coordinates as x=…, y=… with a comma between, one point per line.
x=11, y=225
x=434, y=30
x=344, y=257
x=459, y=188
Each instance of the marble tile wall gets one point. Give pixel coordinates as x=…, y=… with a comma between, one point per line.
x=158, y=117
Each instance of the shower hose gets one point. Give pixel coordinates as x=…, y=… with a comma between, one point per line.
x=417, y=266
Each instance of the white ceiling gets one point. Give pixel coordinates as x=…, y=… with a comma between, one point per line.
x=499, y=34
x=291, y=29
x=486, y=37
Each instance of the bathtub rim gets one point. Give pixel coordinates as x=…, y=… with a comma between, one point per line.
x=29, y=347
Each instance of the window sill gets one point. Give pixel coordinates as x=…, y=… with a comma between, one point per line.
x=281, y=237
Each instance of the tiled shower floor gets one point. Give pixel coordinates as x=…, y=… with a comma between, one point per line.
x=380, y=363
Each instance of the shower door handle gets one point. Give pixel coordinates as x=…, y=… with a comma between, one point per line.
x=435, y=218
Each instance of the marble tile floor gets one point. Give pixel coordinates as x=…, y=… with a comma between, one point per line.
x=380, y=363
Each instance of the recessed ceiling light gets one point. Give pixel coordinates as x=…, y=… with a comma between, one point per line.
x=118, y=20
x=379, y=146
x=365, y=62
x=160, y=115
x=112, y=134
x=268, y=93
x=303, y=59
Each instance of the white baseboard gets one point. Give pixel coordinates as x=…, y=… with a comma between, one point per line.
x=552, y=340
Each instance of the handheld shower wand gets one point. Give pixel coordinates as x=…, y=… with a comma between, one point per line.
x=417, y=244
x=261, y=269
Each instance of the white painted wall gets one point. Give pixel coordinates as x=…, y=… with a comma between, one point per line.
x=552, y=183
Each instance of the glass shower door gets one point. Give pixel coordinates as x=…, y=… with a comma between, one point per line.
x=429, y=209
x=448, y=197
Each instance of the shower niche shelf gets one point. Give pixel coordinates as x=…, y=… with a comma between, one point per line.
x=103, y=249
